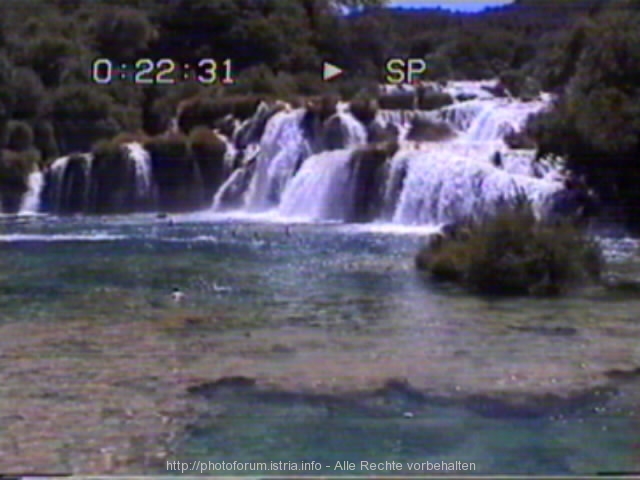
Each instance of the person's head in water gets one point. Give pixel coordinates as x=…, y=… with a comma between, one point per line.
x=496, y=159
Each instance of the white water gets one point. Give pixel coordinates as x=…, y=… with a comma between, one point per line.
x=290, y=172
x=498, y=118
x=319, y=190
x=31, y=199
x=441, y=186
x=426, y=182
x=58, y=170
x=282, y=148
x=144, y=185
x=353, y=131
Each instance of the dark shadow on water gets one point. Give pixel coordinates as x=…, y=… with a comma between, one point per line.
x=541, y=435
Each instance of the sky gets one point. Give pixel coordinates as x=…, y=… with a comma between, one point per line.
x=467, y=6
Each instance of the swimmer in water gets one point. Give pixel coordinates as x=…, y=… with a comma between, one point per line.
x=176, y=295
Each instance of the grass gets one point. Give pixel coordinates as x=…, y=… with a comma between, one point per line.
x=512, y=252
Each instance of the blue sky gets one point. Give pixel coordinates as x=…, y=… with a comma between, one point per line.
x=467, y=6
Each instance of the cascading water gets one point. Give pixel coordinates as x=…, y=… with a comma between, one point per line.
x=305, y=166
x=321, y=188
x=69, y=183
x=443, y=187
x=353, y=132
x=498, y=118
x=283, y=147
x=425, y=182
x=144, y=185
x=31, y=199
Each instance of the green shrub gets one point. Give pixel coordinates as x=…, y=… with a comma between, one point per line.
x=430, y=100
x=47, y=55
x=364, y=110
x=28, y=93
x=513, y=253
x=208, y=150
x=404, y=101
x=82, y=103
x=172, y=147
x=323, y=107
x=203, y=141
x=205, y=111
x=20, y=136
x=128, y=117
x=82, y=115
x=15, y=168
x=129, y=137
x=357, y=89
x=439, y=67
x=261, y=80
x=520, y=85
x=121, y=33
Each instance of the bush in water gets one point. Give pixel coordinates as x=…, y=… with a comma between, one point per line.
x=513, y=253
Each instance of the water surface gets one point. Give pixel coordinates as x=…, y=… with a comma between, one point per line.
x=343, y=305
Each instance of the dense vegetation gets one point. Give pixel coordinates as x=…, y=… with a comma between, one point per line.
x=585, y=50
x=513, y=253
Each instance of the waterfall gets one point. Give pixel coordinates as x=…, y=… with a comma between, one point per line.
x=283, y=147
x=461, y=115
x=69, y=181
x=321, y=189
x=306, y=174
x=441, y=186
x=499, y=117
x=354, y=132
x=448, y=163
x=31, y=199
x=144, y=185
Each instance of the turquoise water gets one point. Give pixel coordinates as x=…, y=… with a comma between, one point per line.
x=356, y=286
x=262, y=429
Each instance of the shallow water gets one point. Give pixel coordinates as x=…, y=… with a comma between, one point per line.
x=356, y=288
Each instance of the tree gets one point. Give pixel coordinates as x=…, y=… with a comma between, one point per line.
x=122, y=33
x=48, y=56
